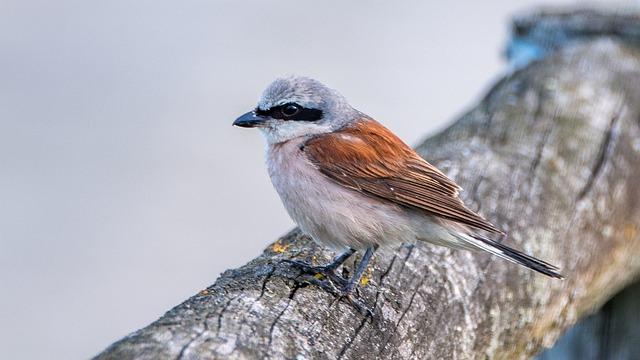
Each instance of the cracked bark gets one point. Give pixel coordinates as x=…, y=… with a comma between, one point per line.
x=553, y=155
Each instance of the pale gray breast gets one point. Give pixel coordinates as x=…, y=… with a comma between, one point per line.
x=333, y=215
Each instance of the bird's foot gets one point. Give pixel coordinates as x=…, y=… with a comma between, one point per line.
x=349, y=288
x=320, y=282
x=326, y=278
x=306, y=267
x=336, y=286
x=342, y=291
x=348, y=291
x=324, y=272
x=358, y=304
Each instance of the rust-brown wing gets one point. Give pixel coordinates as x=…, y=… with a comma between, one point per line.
x=368, y=158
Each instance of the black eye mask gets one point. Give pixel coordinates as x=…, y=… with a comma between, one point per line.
x=291, y=111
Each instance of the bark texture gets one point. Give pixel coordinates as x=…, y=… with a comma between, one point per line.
x=551, y=155
x=611, y=333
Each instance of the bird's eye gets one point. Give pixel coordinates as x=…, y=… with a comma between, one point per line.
x=290, y=110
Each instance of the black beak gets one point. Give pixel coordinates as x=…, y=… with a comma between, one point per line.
x=250, y=120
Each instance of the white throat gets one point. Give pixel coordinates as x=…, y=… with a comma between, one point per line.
x=287, y=130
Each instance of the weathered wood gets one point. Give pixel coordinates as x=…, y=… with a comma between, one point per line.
x=552, y=155
x=611, y=333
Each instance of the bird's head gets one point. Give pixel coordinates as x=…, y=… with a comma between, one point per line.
x=298, y=106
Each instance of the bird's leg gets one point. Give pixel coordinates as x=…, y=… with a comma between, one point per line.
x=326, y=270
x=340, y=259
x=328, y=275
x=348, y=288
x=357, y=275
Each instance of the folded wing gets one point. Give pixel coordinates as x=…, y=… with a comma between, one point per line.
x=368, y=158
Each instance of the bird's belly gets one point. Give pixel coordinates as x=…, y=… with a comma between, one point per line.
x=333, y=215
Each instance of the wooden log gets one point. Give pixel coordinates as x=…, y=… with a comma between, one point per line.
x=551, y=154
x=611, y=333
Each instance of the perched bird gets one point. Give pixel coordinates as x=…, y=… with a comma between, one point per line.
x=351, y=184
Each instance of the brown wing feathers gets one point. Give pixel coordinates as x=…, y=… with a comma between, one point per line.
x=369, y=158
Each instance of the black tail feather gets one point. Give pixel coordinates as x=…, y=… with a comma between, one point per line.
x=517, y=257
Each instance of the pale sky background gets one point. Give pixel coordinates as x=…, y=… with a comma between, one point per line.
x=124, y=189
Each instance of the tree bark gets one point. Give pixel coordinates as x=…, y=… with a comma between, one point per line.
x=551, y=155
x=611, y=333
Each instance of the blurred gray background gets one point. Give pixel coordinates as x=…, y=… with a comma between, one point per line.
x=123, y=187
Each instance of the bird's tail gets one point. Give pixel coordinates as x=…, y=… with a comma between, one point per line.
x=512, y=255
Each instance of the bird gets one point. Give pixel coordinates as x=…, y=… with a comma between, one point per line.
x=352, y=185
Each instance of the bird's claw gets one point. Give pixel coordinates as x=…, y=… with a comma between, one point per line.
x=306, y=267
x=359, y=305
x=324, y=284
x=326, y=271
x=325, y=278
